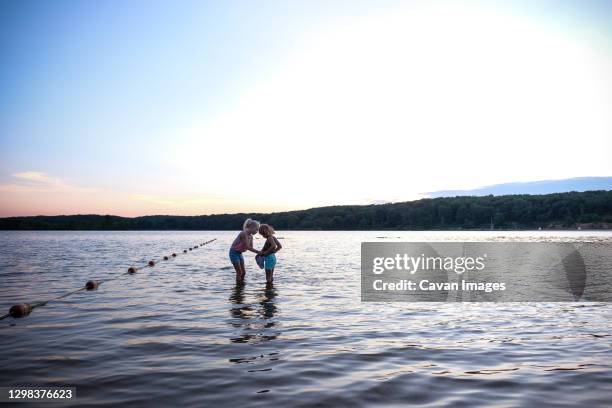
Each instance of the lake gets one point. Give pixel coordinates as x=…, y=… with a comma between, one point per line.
x=182, y=332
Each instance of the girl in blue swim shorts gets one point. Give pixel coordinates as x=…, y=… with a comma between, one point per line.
x=267, y=256
x=243, y=243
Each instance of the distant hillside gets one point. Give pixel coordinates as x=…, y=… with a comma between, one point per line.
x=533, y=187
x=591, y=209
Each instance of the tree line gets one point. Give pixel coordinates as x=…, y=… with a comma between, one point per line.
x=548, y=211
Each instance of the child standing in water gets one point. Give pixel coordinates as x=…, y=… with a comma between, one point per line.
x=242, y=243
x=267, y=256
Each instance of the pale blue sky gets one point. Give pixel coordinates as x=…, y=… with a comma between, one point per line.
x=133, y=107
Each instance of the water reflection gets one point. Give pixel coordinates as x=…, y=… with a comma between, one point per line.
x=240, y=310
x=268, y=306
x=330, y=348
x=253, y=320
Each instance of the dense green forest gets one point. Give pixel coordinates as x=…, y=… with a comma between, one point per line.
x=591, y=209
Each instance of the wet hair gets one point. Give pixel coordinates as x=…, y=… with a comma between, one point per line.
x=268, y=227
x=248, y=223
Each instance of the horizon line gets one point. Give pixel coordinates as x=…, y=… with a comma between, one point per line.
x=305, y=209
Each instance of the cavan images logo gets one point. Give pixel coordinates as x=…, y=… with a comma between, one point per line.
x=485, y=271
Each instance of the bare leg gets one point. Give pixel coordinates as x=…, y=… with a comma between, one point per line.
x=242, y=271
x=269, y=275
x=238, y=272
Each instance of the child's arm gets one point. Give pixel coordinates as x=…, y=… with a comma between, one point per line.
x=272, y=248
x=249, y=243
x=278, y=244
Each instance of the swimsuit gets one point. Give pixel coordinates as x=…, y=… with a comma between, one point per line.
x=239, y=245
x=268, y=261
x=236, y=250
x=235, y=256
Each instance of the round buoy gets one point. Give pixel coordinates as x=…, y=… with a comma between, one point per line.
x=190, y=249
x=92, y=285
x=165, y=258
x=20, y=310
x=151, y=263
x=131, y=269
x=184, y=251
x=173, y=254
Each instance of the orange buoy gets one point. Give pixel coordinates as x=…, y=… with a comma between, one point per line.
x=92, y=285
x=151, y=263
x=173, y=254
x=131, y=269
x=165, y=258
x=20, y=310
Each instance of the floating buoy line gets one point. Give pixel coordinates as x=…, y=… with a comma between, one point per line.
x=24, y=309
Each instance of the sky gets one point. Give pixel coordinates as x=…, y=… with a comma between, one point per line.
x=193, y=107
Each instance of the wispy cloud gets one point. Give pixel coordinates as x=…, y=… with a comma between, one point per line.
x=31, y=181
x=37, y=181
x=36, y=176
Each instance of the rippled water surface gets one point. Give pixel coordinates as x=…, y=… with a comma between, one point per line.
x=182, y=333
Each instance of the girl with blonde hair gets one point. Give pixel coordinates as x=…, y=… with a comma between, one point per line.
x=243, y=243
